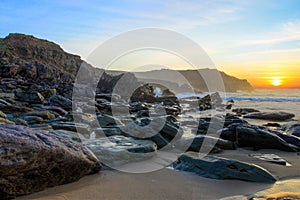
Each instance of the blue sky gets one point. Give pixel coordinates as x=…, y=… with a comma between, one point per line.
x=240, y=34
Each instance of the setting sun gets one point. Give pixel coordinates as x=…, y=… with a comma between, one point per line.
x=276, y=82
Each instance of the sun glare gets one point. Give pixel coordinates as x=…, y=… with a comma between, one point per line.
x=276, y=82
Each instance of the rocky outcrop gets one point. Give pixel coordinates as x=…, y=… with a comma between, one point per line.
x=221, y=168
x=32, y=160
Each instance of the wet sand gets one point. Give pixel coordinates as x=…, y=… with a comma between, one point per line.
x=170, y=184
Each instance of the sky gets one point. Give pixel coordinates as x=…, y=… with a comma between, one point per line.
x=257, y=40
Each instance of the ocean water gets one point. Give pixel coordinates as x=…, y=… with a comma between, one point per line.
x=270, y=100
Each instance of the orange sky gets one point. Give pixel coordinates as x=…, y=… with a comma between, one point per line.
x=268, y=75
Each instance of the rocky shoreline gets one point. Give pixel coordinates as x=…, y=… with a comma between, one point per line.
x=47, y=140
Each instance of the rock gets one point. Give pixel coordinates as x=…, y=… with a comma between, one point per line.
x=226, y=121
x=19, y=121
x=3, y=119
x=210, y=101
x=107, y=120
x=115, y=151
x=243, y=111
x=270, y=158
x=33, y=119
x=221, y=168
x=160, y=141
x=32, y=160
x=259, y=138
x=272, y=125
x=292, y=129
x=60, y=101
x=83, y=129
x=195, y=143
x=14, y=108
x=277, y=116
x=70, y=134
x=56, y=109
x=45, y=127
x=45, y=115
x=291, y=139
x=229, y=133
x=30, y=97
x=48, y=93
x=108, y=131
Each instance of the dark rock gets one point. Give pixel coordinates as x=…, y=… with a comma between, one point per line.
x=56, y=109
x=243, y=111
x=108, y=131
x=107, y=120
x=32, y=160
x=60, y=101
x=47, y=93
x=46, y=115
x=33, y=119
x=221, y=168
x=272, y=125
x=229, y=133
x=277, y=116
x=195, y=143
x=292, y=129
x=45, y=127
x=259, y=138
x=160, y=141
x=30, y=97
x=83, y=129
x=291, y=139
x=14, y=108
x=210, y=101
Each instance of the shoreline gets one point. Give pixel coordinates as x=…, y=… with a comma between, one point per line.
x=171, y=184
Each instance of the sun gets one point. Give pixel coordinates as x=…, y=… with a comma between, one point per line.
x=276, y=82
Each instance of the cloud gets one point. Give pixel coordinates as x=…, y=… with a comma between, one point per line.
x=289, y=31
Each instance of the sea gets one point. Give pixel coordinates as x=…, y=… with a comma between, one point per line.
x=266, y=100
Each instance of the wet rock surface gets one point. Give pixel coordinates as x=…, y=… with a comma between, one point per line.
x=220, y=168
x=115, y=151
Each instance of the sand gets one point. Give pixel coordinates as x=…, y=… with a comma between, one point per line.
x=170, y=184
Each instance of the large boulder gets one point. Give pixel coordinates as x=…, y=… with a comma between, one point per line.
x=221, y=168
x=277, y=116
x=32, y=160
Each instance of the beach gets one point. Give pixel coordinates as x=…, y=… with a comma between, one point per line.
x=168, y=183
x=171, y=184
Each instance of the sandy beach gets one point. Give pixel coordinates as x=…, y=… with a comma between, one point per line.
x=170, y=184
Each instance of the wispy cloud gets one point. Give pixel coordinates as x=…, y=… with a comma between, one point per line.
x=289, y=31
